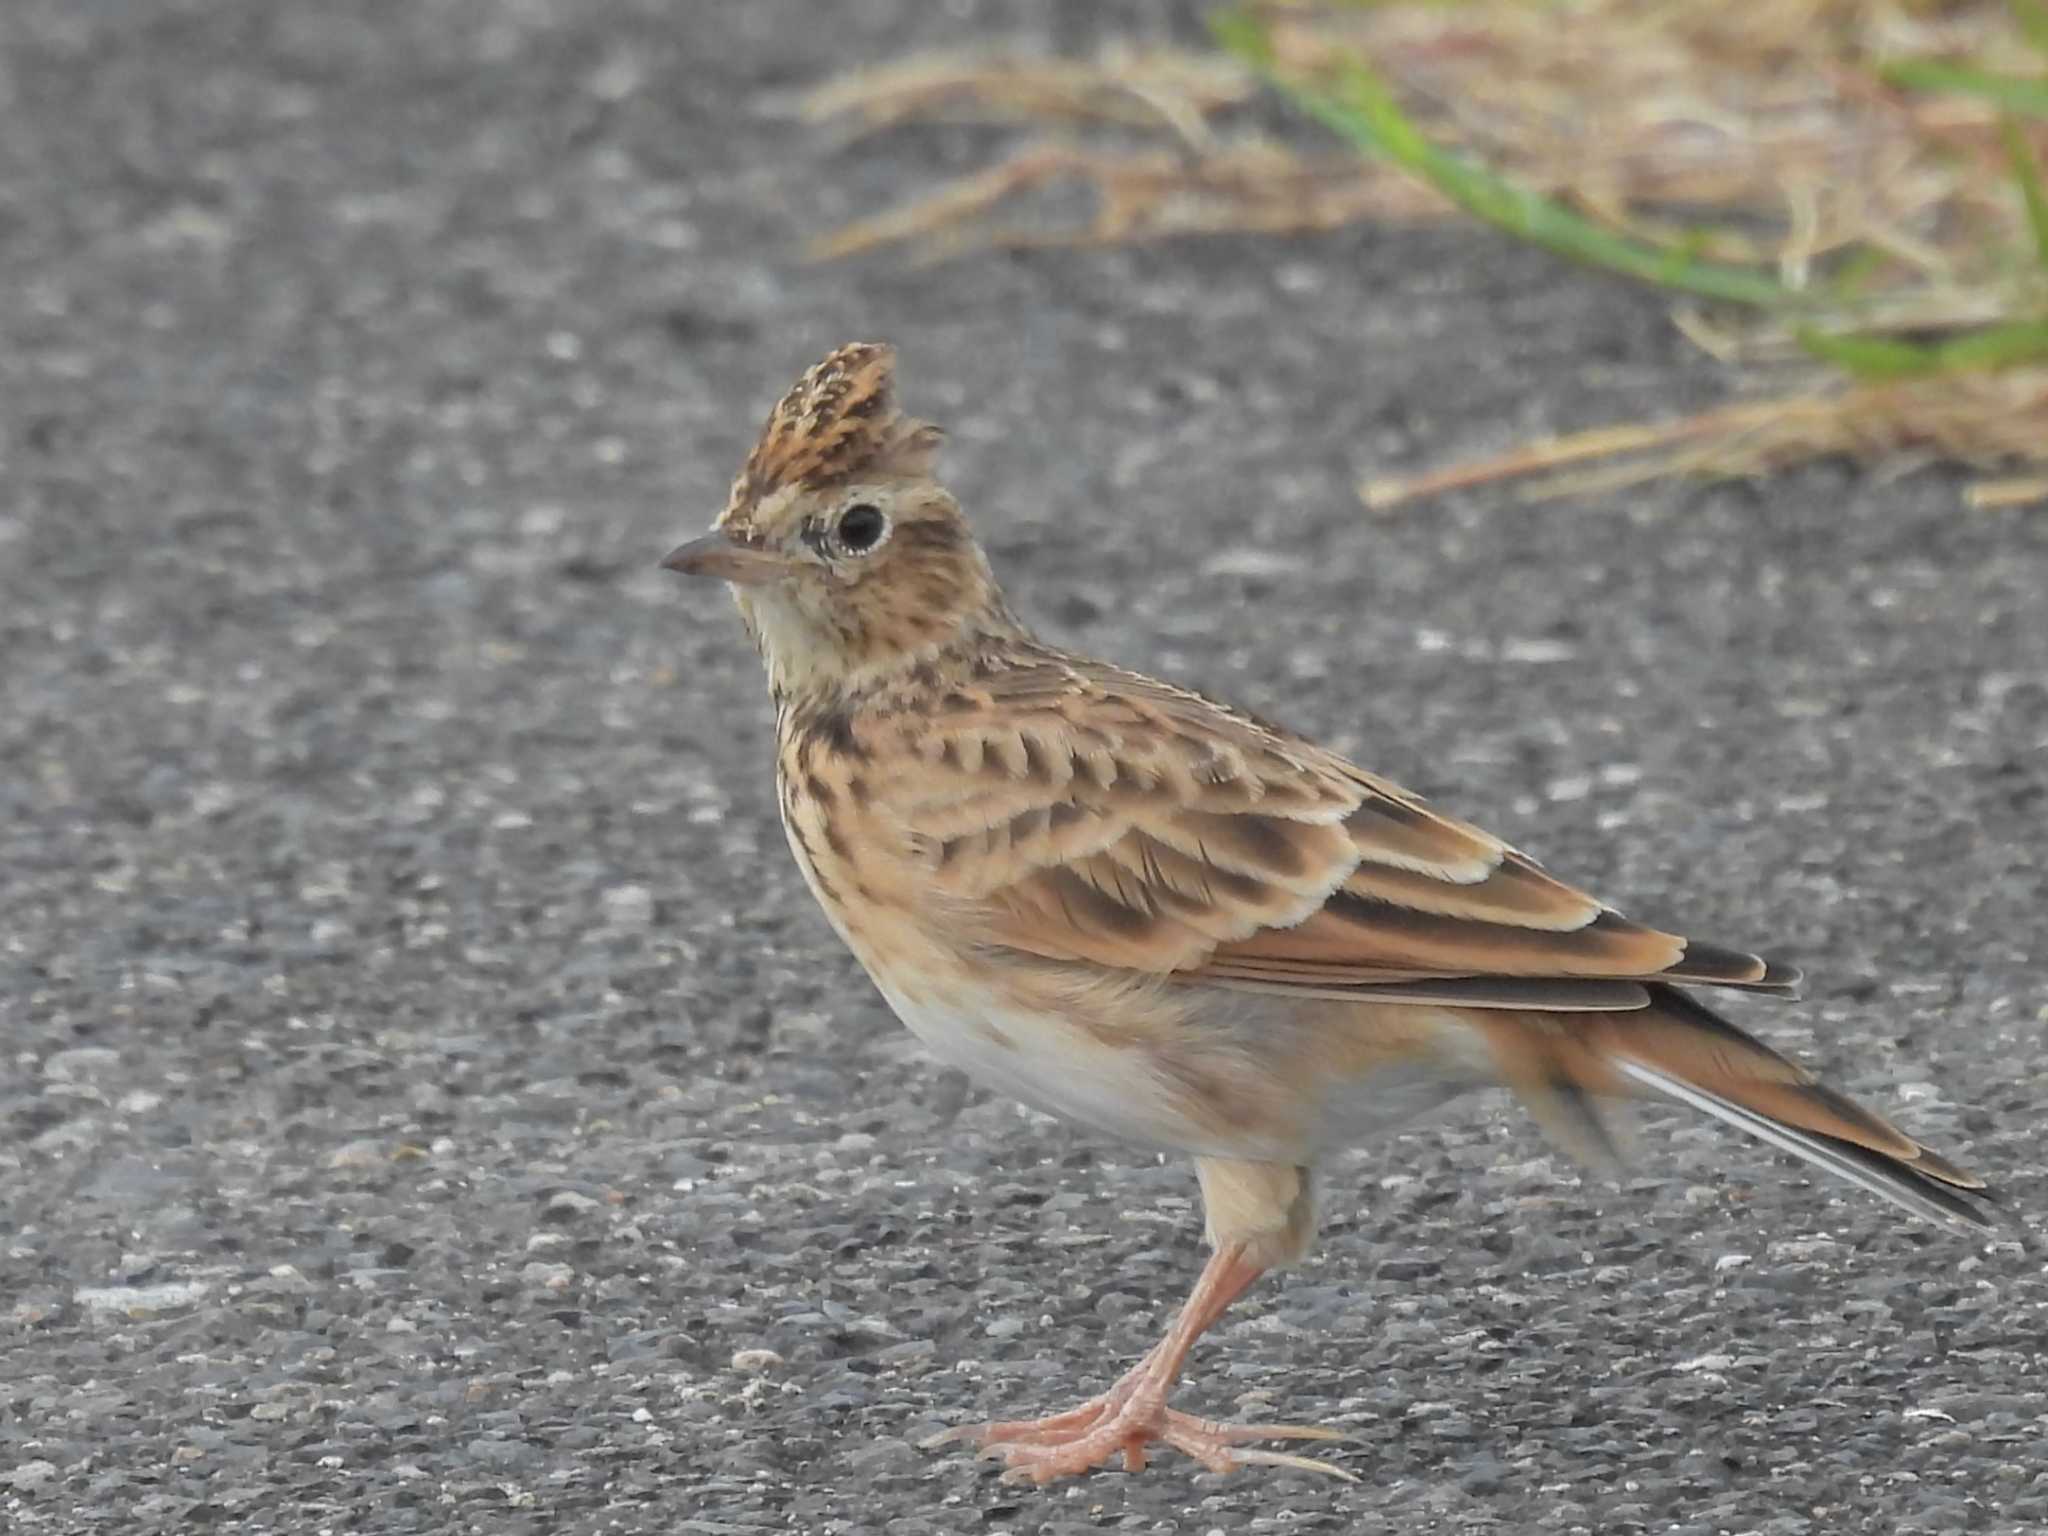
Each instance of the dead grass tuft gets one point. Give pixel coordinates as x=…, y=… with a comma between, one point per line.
x=1863, y=156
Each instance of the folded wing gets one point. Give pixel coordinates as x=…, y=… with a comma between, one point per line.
x=1076, y=812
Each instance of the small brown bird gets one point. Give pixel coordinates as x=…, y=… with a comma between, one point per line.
x=1169, y=920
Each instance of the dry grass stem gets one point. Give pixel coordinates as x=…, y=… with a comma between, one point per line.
x=1169, y=89
x=1251, y=186
x=1987, y=495
x=1985, y=420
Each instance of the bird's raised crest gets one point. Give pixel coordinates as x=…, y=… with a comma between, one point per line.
x=839, y=420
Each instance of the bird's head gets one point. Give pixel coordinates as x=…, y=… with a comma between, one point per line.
x=847, y=558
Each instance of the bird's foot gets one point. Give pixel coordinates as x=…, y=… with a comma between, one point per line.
x=1125, y=1421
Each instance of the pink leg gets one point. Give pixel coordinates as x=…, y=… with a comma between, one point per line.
x=1133, y=1412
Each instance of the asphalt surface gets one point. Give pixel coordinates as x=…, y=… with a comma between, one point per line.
x=429, y=1101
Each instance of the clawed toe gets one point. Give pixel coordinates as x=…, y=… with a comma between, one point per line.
x=1221, y=1447
x=1282, y=1459
x=1054, y=1429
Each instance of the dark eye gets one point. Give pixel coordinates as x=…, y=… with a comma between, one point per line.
x=861, y=527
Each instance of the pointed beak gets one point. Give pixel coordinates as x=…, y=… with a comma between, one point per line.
x=716, y=555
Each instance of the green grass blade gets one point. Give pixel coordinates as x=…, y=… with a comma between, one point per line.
x=2032, y=18
x=1357, y=106
x=2026, y=170
x=1986, y=350
x=2027, y=95
x=1996, y=346
x=1869, y=357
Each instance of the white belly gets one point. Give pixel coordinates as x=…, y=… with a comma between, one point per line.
x=1052, y=1066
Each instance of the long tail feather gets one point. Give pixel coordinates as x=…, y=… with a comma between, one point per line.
x=1565, y=1065
x=1886, y=1177
x=1686, y=1052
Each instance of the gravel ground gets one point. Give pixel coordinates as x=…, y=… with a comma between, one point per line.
x=430, y=1102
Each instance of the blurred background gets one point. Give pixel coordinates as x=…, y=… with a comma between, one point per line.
x=429, y=1099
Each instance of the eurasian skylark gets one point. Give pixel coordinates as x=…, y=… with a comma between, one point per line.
x=1174, y=922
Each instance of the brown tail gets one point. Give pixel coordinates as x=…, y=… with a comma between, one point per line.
x=1679, y=1050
